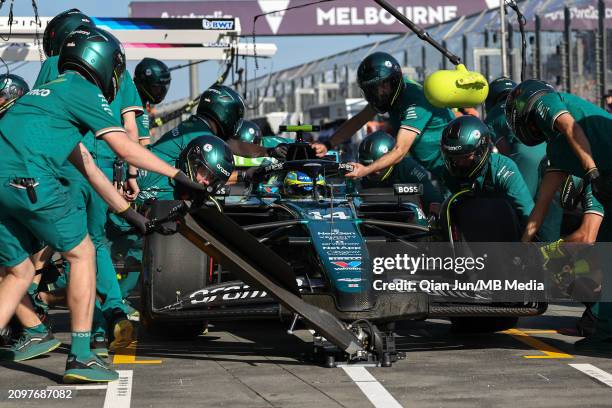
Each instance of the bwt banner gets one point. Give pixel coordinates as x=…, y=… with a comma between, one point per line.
x=337, y=17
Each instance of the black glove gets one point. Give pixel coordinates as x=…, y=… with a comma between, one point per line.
x=182, y=179
x=247, y=175
x=571, y=194
x=598, y=186
x=279, y=152
x=135, y=219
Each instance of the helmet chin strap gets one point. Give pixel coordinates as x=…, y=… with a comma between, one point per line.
x=480, y=164
x=4, y=107
x=148, y=95
x=397, y=92
x=387, y=173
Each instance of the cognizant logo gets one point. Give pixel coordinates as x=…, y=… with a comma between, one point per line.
x=412, y=264
x=222, y=170
x=39, y=92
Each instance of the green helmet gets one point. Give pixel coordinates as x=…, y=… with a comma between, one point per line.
x=375, y=146
x=249, y=132
x=380, y=78
x=59, y=27
x=498, y=91
x=12, y=87
x=520, y=105
x=207, y=160
x=152, y=79
x=466, y=147
x=97, y=55
x=225, y=107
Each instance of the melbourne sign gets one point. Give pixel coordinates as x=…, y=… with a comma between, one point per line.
x=335, y=17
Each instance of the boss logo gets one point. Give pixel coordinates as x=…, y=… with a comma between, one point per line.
x=346, y=166
x=407, y=189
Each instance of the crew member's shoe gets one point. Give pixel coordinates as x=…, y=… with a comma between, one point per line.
x=598, y=344
x=91, y=369
x=98, y=345
x=6, y=336
x=122, y=332
x=30, y=345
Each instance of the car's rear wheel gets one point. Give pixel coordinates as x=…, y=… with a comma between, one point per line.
x=482, y=324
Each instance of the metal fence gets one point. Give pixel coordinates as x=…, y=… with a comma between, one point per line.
x=567, y=46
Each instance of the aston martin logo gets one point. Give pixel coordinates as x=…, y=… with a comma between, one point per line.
x=275, y=19
x=351, y=264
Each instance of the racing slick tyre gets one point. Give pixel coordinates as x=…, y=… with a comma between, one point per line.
x=482, y=324
x=173, y=268
x=472, y=220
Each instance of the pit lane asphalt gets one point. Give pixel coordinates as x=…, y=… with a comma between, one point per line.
x=256, y=364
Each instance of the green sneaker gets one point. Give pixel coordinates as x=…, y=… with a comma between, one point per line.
x=30, y=346
x=91, y=369
x=98, y=346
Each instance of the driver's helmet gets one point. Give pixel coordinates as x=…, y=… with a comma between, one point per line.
x=466, y=147
x=299, y=185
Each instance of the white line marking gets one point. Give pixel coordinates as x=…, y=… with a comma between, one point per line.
x=119, y=393
x=541, y=376
x=376, y=393
x=77, y=387
x=594, y=372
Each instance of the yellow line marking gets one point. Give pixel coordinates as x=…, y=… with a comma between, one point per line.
x=538, y=331
x=127, y=355
x=549, y=351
